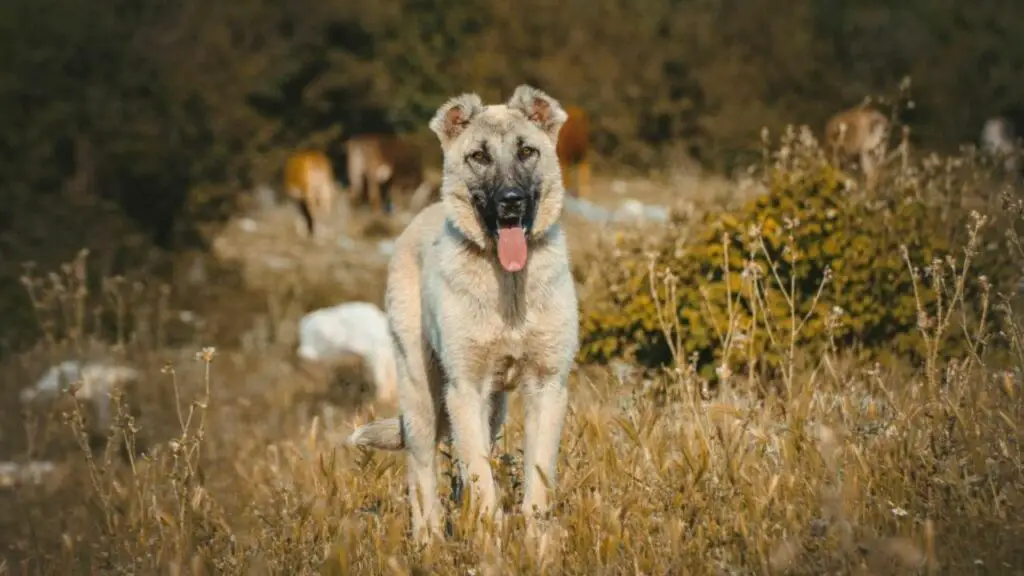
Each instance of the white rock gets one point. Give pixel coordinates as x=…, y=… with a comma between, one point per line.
x=266, y=197
x=248, y=225
x=623, y=371
x=95, y=380
x=386, y=247
x=356, y=328
x=13, y=474
x=275, y=262
x=586, y=209
x=633, y=210
x=197, y=274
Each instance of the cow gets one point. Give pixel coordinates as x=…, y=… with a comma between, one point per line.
x=573, y=147
x=309, y=180
x=858, y=133
x=379, y=165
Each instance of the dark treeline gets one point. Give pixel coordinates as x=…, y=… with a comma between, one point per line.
x=169, y=108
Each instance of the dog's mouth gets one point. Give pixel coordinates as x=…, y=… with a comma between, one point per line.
x=512, y=246
x=508, y=216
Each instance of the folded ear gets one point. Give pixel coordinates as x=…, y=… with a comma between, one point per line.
x=539, y=108
x=454, y=115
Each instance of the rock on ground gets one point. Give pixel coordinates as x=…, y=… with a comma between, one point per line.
x=353, y=327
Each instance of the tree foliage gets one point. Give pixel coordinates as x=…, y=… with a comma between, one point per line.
x=185, y=104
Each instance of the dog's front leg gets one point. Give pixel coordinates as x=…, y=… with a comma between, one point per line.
x=469, y=411
x=546, y=402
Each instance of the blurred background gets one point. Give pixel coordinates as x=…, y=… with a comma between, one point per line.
x=136, y=129
x=156, y=135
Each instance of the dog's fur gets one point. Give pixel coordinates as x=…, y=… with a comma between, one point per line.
x=858, y=133
x=309, y=180
x=999, y=139
x=573, y=146
x=380, y=165
x=466, y=329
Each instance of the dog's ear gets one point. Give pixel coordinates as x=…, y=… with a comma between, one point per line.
x=539, y=108
x=454, y=115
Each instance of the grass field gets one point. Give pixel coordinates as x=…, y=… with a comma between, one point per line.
x=227, y=459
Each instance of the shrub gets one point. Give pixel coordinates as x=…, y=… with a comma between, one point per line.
x=809, y=264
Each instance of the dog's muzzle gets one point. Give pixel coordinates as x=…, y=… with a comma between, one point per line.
x=512, y=206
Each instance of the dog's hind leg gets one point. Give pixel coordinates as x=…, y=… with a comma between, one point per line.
x=421, y=430
x=546, y=403
x=384, y=377
x=423, y=425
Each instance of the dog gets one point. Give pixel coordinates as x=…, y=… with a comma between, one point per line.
x=379, y=164
x=309, y=180
x=480, y=300
x=573, y=145
x=858, y=133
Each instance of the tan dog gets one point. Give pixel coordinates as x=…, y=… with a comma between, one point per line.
x=573, y=145
x=481, y=300
x=379, y=162
x=309, y=179
x=858, y=133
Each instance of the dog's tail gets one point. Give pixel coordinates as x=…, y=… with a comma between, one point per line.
x=383, y=434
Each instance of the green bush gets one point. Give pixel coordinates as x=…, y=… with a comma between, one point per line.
x=809, y=265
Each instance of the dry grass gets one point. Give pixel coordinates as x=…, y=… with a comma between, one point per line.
x=234, y=465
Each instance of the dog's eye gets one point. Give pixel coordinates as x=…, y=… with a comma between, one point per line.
x=527, y=152
x=480, y=157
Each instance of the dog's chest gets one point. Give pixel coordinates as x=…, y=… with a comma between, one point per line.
x=498, y=326
x=508, y=343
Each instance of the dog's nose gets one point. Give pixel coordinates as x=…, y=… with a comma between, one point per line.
x=511, y=201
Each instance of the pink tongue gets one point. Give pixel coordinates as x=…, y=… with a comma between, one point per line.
x=512, y=248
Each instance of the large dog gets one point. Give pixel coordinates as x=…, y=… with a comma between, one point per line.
x=380, y=165
x=480, y=300
x=573, y=145
x=309, y=180
x=859, y=133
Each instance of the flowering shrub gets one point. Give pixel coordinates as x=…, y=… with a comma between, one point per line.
x=809, y=264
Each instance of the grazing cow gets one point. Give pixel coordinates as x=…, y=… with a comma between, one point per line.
x=380, y=164
x=309, y=179
x=573, y=146
x=999, y=139
x=858, y=133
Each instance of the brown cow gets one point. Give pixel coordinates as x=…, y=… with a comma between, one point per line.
x=309, y=179
x=858, y=133
x=573, y=145
x=379, y=164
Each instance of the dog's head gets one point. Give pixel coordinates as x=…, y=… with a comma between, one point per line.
x=502, y=184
